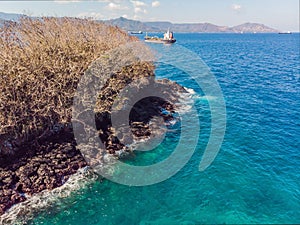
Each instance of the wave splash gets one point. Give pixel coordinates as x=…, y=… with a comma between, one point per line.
x=23, y=212
x=26, y=211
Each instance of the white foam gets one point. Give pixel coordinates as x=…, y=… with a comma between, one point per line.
x=190, y=90
x=195, y=95
x=186, y=101
x=183, y=107
x=25, y=211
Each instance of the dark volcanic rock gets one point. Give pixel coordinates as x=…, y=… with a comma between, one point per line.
x=48, y=161
x=47, y=169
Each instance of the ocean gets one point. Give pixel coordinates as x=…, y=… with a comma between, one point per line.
x=255, y=175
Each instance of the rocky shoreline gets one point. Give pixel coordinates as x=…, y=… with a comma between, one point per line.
x=38, y=148
x=47, y=163
x=42, y=166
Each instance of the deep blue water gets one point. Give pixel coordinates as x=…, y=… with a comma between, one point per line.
x=255, y=177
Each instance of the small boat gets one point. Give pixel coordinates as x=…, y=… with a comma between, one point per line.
x=167, y=39
x=135, y=32
x=288, y=32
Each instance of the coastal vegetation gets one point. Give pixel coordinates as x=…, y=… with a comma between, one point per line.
x=41, y=63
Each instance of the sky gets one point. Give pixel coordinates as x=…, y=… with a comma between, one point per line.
x=279, y=14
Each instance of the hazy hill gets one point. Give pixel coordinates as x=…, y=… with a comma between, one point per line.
x=10, y=16
x=186, y=27
x=130, y=25
x=253, y=27
x=160, y=26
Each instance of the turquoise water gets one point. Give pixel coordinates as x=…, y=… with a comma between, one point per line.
x=255, y=177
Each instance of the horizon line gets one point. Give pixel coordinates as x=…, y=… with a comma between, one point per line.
x=155, y=21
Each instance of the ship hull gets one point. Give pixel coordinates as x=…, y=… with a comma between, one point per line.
x=160, y=41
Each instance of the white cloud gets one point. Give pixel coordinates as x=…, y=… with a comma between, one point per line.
x=93, y=15
x=155, y=4
x=236, y=7
x=137, y=10
x=140, y=10
x=115, y=6
x=139, y=7
x=138, y=3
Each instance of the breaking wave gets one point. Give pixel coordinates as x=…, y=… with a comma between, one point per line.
x=23, y=212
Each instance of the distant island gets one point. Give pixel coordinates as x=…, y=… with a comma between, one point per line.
x=128, y=25
x=134, y=25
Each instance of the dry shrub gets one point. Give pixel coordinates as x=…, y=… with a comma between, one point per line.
x=41, y=63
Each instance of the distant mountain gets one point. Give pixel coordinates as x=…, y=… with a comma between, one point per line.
x=159, y=25
x=134, y=25
x=253, y=27
x=186, y=27
x=130, y=25
x=10, y=16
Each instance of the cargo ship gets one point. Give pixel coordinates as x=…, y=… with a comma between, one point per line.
x=167, y=39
